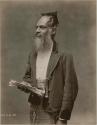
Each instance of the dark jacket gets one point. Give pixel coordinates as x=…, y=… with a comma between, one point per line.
x=62, y=82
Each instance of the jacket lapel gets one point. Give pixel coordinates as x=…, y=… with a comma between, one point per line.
x=52, y=64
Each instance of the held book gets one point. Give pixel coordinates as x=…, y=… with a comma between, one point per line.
x=27, y=85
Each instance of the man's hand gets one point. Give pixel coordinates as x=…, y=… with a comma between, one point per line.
x=59, y=122
x=22, y=88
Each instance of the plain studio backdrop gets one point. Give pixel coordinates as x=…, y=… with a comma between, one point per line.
x=75, y=34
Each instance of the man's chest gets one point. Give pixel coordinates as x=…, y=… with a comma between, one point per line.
x=42, y=64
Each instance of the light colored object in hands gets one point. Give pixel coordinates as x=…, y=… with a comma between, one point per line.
x=27, y=85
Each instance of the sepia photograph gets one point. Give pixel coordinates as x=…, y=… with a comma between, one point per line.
x=48, y=62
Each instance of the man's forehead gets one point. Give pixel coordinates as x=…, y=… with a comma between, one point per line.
x=43, y=20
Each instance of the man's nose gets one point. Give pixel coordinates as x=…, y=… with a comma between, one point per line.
x=38, y=30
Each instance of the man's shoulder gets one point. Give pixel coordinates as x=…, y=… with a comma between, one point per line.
x=65, y=54
x=66, y=57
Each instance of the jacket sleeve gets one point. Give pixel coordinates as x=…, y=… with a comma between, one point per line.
x=27, y=76
x=70, y=88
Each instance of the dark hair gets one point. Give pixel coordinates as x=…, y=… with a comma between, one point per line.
x=53, y=18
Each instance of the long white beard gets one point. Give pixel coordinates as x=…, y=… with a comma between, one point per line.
x=38, y=43
x=41, y=43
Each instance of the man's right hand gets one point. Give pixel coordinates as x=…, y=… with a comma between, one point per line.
x=22, y=88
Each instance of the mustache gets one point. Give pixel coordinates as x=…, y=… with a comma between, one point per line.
x=37, y=35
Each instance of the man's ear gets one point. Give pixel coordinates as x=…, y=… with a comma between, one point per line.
x=53, y=30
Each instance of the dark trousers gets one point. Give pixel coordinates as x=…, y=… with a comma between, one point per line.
x=38, y=115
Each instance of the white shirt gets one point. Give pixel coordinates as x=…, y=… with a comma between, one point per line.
x=42, y=63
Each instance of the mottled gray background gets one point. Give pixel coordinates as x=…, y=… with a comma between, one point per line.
x=76, y=34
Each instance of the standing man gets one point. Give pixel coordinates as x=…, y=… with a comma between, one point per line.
x=53, y=73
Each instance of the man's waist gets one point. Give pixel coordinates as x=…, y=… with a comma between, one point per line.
x=42, y=84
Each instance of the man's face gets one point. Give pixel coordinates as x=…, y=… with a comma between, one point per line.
x=43, y=32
